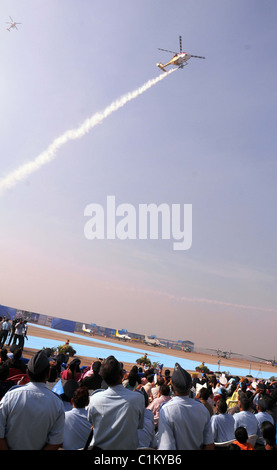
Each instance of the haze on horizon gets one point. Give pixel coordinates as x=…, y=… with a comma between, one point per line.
x=203, y=136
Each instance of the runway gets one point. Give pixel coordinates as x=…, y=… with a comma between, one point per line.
x=89, y=348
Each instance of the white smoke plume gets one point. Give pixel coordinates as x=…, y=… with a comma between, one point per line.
x=18, y=175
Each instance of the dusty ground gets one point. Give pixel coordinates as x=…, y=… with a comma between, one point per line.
x=194, y=356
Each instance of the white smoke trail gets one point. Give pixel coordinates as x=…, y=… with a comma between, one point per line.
x=49, y=154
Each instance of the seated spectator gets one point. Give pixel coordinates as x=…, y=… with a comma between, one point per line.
x=241, y=436
x=53, y=377
x=245, y=417
x=15, y=363
x=155, y=390
x=268, y=432
x=203, y=396
x=73, y=371
x=69, y=387
x=3, y=355
x=146, y=435
x=76, y=426
x=262, y=415
x=131, y=380
x=5, y=384
x=222, y=423
x=93, y=380
x=155, y=405
x=148, y=386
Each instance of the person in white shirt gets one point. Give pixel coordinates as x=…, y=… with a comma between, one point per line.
x=116, y=413
x=31, y=415
x=184, y=423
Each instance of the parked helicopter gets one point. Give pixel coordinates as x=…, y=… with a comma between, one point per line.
x=179, y=59
x=12, y=24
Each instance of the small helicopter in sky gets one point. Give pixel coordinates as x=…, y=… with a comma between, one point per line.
x=12, y=24
x=179, y=59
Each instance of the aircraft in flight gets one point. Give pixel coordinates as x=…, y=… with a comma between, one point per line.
x=12, y=24
x=179, y=59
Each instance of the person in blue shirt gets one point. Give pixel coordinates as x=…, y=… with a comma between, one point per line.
x=76, y=425
x=222, y=423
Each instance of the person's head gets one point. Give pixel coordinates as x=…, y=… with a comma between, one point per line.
x=221, y=406
x=244, y=402
x=4, y=371
x=69, y=388
x=96, y=367
x=80, y=397
x=160, y=381
x=268, y=432
x=111, y=371
x=262, y=403
x=150, y=378
x=164, y=390
x=17, y=352
x=74, y=365
x=3, y=354
x=181, y=381
x=241, y=435
x=38, y=367
x=204, y=393
x=53, y=373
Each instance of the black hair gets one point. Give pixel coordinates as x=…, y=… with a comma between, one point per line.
x=241, y=435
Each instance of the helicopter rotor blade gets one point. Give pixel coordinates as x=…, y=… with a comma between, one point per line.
x=180, y=42
x=166, y=50
x=198, y=56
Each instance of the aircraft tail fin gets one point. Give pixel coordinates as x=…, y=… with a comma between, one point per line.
x=161, y=66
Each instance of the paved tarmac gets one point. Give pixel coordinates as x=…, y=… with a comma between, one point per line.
x=89, y=348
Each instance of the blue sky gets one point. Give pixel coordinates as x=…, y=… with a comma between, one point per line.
x=203, y=136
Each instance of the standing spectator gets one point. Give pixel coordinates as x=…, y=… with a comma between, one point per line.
x=184, y=423
x=31, y=416
x=222, y=423
x=116, y=428
x=76, y=426
x=5, y=328
x=20, y=332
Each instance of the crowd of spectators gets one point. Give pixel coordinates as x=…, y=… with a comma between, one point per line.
x=48, y=402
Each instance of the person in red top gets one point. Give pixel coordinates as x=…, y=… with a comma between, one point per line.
x=241, y=436
x=73, y=371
